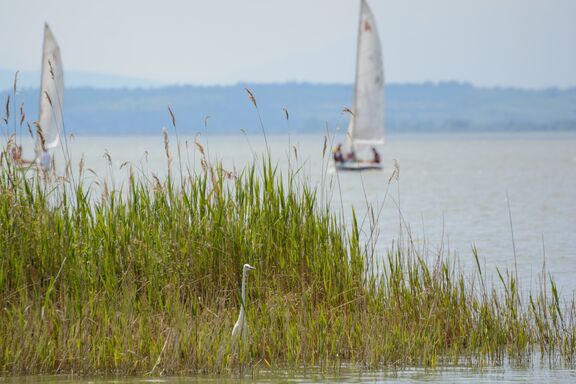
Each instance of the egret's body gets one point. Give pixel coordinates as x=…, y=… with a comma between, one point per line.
x=241, y=327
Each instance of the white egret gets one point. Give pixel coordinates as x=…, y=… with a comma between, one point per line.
x=241, y=328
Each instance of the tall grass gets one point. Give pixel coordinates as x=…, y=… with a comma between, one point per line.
x=145, y=280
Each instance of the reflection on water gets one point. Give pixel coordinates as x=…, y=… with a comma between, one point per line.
x=414, y=375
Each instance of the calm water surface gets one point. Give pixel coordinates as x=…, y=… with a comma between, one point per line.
x=450, y=375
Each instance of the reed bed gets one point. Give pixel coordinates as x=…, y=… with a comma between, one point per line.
x=145, y=280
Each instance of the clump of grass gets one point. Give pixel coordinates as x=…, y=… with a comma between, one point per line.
x=145, y=280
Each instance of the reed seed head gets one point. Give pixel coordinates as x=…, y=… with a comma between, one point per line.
x=251, y=97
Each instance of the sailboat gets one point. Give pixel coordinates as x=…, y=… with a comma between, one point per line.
x=51, y=101
x=366, y=126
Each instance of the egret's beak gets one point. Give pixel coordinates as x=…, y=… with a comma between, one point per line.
x=250, y=267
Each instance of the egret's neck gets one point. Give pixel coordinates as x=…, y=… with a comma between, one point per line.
x=243, y=289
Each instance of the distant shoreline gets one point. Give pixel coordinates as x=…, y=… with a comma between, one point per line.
x=450, y=107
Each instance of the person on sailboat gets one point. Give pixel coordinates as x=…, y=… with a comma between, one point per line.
x=44, y=159
x=375, y=156
x=16, y=154
x=338, y=156
x=351, y=156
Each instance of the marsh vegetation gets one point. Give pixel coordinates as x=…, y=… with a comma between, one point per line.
x=143, y=277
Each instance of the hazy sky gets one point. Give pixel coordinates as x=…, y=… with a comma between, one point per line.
x=526, y=43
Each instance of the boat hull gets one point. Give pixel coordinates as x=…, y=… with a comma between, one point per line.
x=358, y=166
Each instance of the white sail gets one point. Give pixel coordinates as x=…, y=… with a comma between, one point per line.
x=51, y=93
x=366, y=125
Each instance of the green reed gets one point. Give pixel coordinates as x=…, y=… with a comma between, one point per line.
x=146, y=280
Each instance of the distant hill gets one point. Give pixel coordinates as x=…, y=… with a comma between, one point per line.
x=75, y=79
x=455, y=107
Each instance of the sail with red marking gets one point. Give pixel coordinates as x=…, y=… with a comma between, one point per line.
x=366, y=127
x=367, y=27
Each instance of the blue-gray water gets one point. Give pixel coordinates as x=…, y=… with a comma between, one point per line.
x=453, y=193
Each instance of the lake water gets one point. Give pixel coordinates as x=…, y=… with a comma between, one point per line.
x=501, y=375
x=454, y=192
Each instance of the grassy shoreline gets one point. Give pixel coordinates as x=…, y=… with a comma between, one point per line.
x=146, y=281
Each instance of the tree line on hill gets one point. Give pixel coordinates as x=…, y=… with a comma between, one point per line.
x=312, y=108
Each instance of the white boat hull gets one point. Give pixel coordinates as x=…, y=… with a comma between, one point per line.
x=358, y=166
